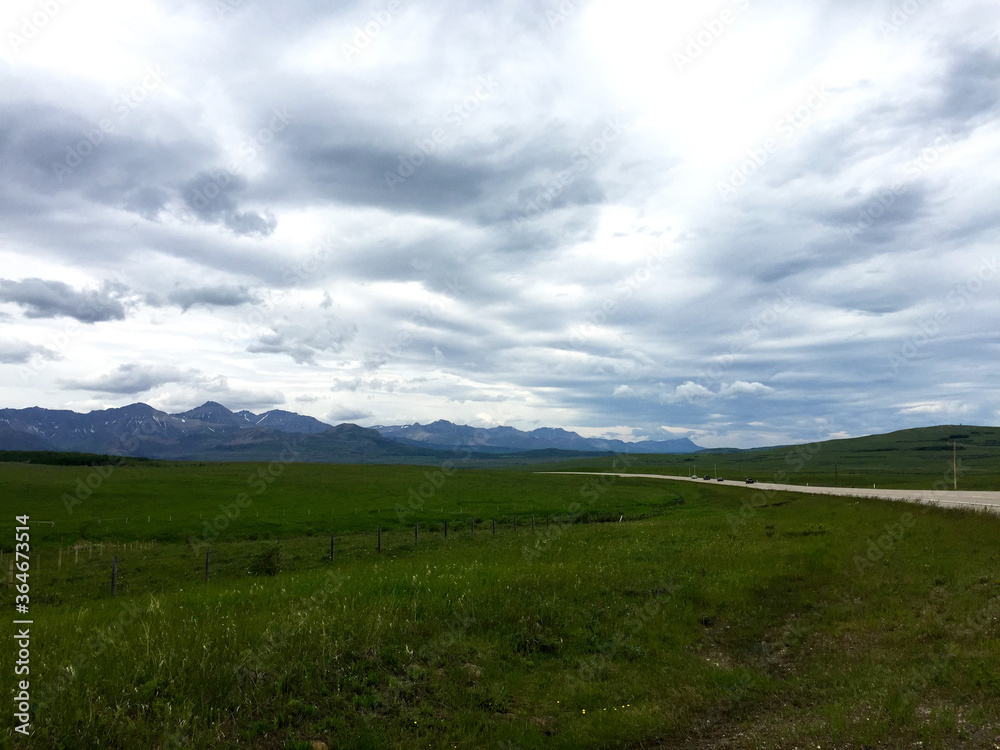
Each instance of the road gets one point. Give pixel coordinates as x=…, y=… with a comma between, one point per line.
x=982, y=499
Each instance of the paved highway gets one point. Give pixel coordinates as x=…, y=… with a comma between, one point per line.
x=947, y=498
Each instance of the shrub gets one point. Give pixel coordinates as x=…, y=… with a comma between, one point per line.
x=266, y=561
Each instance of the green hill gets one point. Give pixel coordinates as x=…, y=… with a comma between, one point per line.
x=908, y=459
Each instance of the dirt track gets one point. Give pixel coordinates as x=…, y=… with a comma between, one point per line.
x=946, y=498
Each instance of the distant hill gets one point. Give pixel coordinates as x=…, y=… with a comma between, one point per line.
x=447, y=435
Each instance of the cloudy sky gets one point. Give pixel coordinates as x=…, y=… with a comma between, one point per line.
x=745, y=222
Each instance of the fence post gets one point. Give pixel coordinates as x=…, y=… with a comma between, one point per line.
x=445, y=529
x=546, y=521
x=532, y=523
x=333, y=548
x=114, y=575
x=208, y=560
x=515, y=524
x=379, y=539
x=494, y=527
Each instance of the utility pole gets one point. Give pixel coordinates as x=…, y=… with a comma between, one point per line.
x=954, y=465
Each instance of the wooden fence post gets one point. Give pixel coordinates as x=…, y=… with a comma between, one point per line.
x=333, y=548
x=208, y=561
x=494, y=527
x=114, y=575
x=379, y=539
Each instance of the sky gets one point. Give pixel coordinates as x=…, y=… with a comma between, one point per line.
x=748, y=223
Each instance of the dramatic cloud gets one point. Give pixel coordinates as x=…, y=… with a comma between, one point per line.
x=52, y=299
x=614, y=216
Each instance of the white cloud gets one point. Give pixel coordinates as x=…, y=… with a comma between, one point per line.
x=742, y=388
x=239, y=198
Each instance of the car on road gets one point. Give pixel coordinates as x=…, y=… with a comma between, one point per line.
x=707, y=478
x=694, y=476
x=750, y=481
x=720, y=479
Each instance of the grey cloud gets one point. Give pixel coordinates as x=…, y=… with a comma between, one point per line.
x=212, y=196
x=131, y=379
x=51, y=299
x=971, y=88
x=210, y=296
x=14, y=352
x=347, y=414
x=302, y=341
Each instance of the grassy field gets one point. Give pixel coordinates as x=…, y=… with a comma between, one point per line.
x=812, y=622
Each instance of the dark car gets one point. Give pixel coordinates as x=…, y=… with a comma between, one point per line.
x=720, y=479
x=749, y=480
x=707, y=478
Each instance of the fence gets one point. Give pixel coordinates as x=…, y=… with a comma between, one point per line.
x=134, y=566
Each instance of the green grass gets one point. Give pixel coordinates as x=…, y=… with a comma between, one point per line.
x=820, y=621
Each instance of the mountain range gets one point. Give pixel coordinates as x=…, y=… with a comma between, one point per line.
x=211, y=432
x=447, y=436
